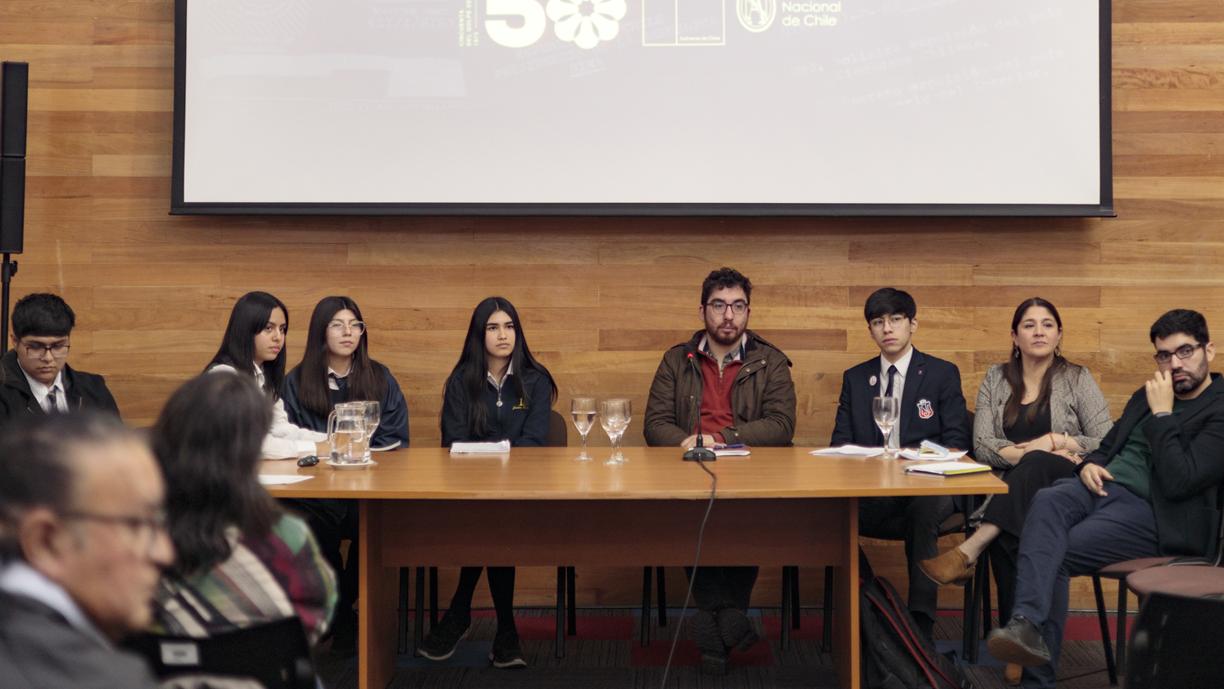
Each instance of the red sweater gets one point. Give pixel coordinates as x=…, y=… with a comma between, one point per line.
x=716, y=411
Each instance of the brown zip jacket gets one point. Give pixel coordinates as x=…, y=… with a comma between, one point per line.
x=762, y=398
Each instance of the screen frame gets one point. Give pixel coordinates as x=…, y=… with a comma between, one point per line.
x=1104, y=208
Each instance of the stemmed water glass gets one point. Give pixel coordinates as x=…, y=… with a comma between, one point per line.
x=614, y=415
x=373, y=414
x=583, y=411
x=885, y=410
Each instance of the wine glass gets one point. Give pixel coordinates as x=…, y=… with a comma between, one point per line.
x=614, y=415
x=373, y=414
x=583, y=411
x=885, y=411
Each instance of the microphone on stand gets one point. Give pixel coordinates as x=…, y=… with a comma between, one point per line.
x=699, y=453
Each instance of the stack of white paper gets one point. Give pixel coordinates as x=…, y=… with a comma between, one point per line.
x=480, y=448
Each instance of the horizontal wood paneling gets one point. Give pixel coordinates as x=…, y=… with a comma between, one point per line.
x=601, y=297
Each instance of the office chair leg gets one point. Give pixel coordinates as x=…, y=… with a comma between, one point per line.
x=560, y=621
x=826, y=632
x=786, y=608
x=1104, y=621
x=433, y=597
x=987, y=616
x=1120, y=639
x=401, y=627
x=662, y=594
x=644, y=632
x=571, y=592
x=418, y=616
x=795, y=598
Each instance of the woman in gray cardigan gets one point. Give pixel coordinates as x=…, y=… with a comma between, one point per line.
x=1037, y=415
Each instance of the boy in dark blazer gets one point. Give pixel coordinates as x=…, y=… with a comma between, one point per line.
x=932, y=408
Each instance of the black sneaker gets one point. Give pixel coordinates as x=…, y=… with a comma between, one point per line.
x=444, y=639
x=506, y=653
x=1019, y=642
x=736, y=629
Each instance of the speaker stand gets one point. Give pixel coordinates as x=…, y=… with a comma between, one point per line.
x=8, y=268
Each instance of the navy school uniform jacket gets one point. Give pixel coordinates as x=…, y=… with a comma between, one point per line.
x=932, y=405
x=83, y=391
x=524, y=422
x=392, y=426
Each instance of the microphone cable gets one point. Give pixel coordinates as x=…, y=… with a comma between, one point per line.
x=696, y=561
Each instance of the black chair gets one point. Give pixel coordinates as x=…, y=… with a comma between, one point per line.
x=275, y=654
x=1174, y=644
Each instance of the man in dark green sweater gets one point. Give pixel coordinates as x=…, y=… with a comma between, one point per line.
x=1152, y=488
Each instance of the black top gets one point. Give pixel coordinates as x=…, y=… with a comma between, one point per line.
x=392, y=423
x=1024, y=430
x=83, y=391
x=524, y=422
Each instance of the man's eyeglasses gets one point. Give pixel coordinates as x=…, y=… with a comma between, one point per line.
x=38, y=350
x=340, y=326
x=1182, y=352
x=143, y=529
x=738, y=307
x=895, y=320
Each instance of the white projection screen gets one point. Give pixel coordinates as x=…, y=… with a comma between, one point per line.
x=643, y=107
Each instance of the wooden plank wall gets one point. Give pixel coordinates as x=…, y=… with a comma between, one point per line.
x=601, y=298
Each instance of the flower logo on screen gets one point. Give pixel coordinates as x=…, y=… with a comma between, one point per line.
x=586, y=22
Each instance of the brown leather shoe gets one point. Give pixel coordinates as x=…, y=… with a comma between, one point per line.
x=1012, y=674
x=951, y=567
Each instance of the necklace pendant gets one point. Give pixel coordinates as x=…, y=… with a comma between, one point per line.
x=499, y=402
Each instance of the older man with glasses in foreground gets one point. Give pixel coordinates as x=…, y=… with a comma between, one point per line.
x=82, y=546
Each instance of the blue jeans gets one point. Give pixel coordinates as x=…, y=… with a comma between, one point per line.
x=1070, y=532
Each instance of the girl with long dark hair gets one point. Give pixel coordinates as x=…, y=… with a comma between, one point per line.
x=1037, y=415
x=254, y=345
x=337, y=367
x=497, y=391
x=239, y=560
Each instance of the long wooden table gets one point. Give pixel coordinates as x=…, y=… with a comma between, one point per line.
x=538, y=506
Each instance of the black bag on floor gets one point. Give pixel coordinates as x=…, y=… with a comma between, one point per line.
x=895, y=655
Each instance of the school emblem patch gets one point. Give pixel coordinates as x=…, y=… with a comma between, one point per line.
x=925, y=410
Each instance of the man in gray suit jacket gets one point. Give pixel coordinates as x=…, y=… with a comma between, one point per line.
x=82, y=545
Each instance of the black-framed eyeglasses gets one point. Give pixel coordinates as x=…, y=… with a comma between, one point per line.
x=738, y=307
x=38, y=350
x=340, y=326
x=1182, y=352
x=144, y=529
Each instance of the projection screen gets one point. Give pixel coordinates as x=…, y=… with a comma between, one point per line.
x=782, y=107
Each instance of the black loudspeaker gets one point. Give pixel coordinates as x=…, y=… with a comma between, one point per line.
x=14, y=104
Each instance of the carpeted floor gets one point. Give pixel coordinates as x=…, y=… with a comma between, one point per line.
x=607, y=654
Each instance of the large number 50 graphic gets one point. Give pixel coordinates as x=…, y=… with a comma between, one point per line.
x=585, y=23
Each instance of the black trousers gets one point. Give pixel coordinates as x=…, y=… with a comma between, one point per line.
x=501, y=586
x=331, y=522
x=916, y=520
x=716, y=588
x=1035, y=470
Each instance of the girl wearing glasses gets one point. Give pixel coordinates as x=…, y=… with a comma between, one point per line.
x=337, y=367
x=497, y=391
x=254, y=344
x=240, y=560
x=1037, y=415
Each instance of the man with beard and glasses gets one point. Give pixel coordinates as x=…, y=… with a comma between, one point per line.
x=746, y=397
x=1150, y=489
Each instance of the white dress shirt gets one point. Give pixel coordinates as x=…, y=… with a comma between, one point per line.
x=902, y=365
x=284, y=440
x=41, y=391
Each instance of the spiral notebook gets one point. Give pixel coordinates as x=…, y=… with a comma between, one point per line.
x=947, y=468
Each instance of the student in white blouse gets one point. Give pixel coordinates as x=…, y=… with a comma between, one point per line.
x=254, y=344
